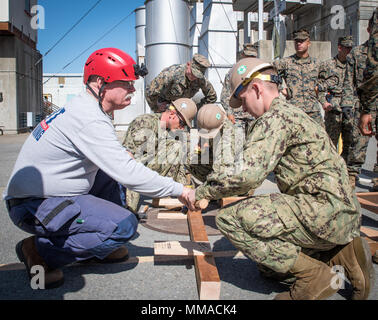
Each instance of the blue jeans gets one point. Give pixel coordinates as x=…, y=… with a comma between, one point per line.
x=70, y=229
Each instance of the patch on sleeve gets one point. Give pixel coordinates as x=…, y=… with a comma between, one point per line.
x=42, y=127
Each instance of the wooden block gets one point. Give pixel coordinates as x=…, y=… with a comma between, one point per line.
x=167, y=203
x=371, y=233
x=172, y=215
x=208, y=281
x=207, y=276
x=196, y=226
x=371, y=238
x=225, y=201
x=181, y=248
x=368, y=200
x=372, y=244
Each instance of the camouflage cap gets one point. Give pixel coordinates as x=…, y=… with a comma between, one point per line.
x=301, y=34
x=346, y=41
x=199, y=65
x=249, y=50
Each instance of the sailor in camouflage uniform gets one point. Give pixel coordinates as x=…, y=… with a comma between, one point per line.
x=220, y=144
x=180, y=81
x=316, y=207
x=331, y=80
x=350, y=104
x=300, y=72
x=152, y=140
x=368, y=91
x=237, y=116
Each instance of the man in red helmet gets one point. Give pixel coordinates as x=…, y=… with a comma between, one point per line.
x=68, y=183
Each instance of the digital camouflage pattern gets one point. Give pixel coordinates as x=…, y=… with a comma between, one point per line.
x=316, y=207
x=157, y=149
x=221, y=155
x=354, y=75
x=301, y=78
x=172, y=83
x=369, y=88
x=331, y=80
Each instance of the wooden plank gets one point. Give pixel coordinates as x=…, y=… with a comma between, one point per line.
x=208, y=281
x=225, y=201
x=371, y=233
x=172, y=215
x=196, y=226
x=181, y=248
x=169, y=203
x=372, y=244
x=368, y=200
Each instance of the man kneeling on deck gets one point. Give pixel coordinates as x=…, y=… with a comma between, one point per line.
x=316, y=209
x=152, y=140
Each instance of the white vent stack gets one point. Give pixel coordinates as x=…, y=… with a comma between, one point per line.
x=218, y=41
x=167, y=35
x=140, y=26
x=195, y=26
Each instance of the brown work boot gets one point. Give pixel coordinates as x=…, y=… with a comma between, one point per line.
x=314, y=280
x=355, y=258
x=119, y=255
x=27, y=253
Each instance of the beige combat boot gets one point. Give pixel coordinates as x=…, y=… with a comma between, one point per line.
x=28, y=254
x=355, y=258
x=314, y=280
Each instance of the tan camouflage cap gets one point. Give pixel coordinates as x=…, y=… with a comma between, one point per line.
x=186, y=108
x=346, y=41
x=301, y=34
x=210, y=120
x=199, y=65
x=249, y=50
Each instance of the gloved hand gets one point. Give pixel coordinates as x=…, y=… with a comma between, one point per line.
x=347, y=112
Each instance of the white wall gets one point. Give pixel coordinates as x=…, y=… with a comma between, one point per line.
x=61, y=93
x=4, y=10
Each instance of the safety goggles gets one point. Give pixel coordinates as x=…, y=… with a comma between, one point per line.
x=257, y=75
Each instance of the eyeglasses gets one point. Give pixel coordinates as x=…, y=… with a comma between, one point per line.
x=182, y=121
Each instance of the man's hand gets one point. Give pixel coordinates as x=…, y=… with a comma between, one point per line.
x=327, y=106
x=188, y=198
x=365, y=124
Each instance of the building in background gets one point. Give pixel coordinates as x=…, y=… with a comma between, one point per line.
x=172, y=31
x=20, y=74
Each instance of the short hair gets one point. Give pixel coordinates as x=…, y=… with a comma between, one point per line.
x=93, y=78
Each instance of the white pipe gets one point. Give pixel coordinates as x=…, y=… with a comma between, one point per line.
x=261, y=21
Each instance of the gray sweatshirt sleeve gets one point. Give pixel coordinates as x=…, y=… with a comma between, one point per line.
x=98, y=142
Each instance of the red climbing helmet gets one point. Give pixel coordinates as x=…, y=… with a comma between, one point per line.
x=112, y=64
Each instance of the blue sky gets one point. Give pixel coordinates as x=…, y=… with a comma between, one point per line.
x=60, y=16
